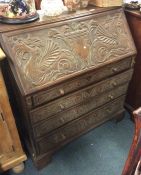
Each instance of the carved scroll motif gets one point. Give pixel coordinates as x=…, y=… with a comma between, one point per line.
x=47, y=55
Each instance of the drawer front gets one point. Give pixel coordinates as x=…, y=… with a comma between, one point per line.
x=78, y=97
x=84, y=80
x=76, y=112
x=85, y=123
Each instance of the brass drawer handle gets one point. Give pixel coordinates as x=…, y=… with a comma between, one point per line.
x=78, y=84
x=88, y=78
x=109, y=110
x=111, y=97
x=62, y=106
x=114, y=83
x=115, y=69
x=62, y=92
x=63, y=136
x=62, y=120
x=94, y=115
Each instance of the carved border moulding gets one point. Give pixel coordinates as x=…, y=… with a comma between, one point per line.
x=48, y=55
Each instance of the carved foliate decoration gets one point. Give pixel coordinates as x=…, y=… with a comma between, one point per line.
x=47, y=55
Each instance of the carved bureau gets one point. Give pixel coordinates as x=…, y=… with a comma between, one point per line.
x=69, y=74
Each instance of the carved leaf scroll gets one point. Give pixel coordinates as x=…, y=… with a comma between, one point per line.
x=47, y=55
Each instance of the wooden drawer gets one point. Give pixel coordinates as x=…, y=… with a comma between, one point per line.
x=85, y=123
x=60, y=105
x=84, y=80
x=77, y=111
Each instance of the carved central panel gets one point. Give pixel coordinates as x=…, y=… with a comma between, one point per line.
x=47, y=55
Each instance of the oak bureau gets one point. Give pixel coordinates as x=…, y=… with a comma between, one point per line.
x=69, y=74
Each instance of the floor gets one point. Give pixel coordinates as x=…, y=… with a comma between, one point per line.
x=102, y=151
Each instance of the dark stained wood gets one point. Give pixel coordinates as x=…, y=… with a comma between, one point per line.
x=69, y=74
x=38, y=4
x=133, y=100
x=134, y=155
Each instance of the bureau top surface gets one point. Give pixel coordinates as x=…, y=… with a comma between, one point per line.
x=47, y=20
x=50, y=51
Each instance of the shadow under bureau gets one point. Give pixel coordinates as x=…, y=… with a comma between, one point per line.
x=69, y=74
